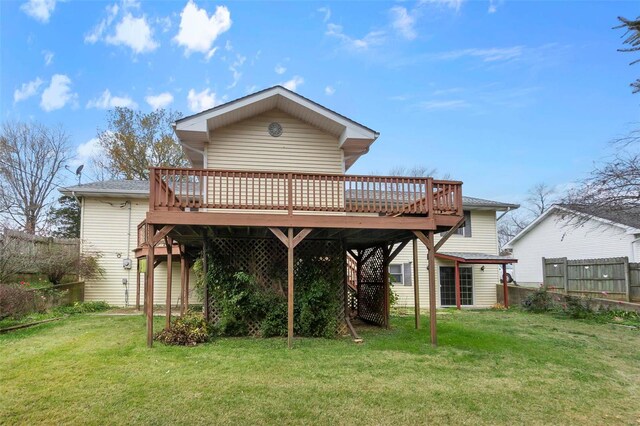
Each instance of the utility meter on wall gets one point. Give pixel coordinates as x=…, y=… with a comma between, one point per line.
x=126, y=263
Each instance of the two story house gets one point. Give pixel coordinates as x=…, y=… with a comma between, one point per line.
x=269, y=186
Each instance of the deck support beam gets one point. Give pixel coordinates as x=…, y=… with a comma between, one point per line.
x=149, y=290
x=168, y=243
x=386, y=259
x=205, y=269
x=290, y=277
x=137, y=284
x=183, y=284
x=290, y=241
x=427, y=240
x=457, y=284
x=505, y=286
x=416, y=284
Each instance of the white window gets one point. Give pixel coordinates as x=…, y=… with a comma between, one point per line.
x=400, y=273
x=395, y=271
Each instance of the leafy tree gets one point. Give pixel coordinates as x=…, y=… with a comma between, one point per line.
x=31, y=158
x=134, y=141
x=65, y=218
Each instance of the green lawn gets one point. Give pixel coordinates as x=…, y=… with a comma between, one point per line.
x=491, y=367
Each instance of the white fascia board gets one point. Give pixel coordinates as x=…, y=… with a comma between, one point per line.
x=350, y=132
x=198, y=123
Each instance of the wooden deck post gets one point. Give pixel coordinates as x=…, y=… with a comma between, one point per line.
x=432, y=289
x=183, y=284
x=168, y=243
x=416, y=283
x=290, y=243
x=505, y=287
x=386, y=284
x=290, y=288
x=205, y=268
x=186, y=286
x=428, y=241
x=457, y=284
x=150, y=283
x=137, y=284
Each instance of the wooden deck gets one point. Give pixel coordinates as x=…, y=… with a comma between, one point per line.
x=367, y=214
x=258, y=198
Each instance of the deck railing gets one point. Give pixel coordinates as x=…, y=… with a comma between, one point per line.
x=198, y=189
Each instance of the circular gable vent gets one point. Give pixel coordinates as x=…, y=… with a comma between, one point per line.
x=275, y=129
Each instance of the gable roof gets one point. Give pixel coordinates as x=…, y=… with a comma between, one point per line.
x=140, y=188
x=628, y=221
x=194, y=131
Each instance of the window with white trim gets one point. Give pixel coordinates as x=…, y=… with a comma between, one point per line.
x=400, y=274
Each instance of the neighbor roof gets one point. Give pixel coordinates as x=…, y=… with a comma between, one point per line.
x=629, y=220
x=194, y=131
x=115, y=188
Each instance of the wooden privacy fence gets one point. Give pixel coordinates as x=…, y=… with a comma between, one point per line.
x=30, y=247
x=612, y=278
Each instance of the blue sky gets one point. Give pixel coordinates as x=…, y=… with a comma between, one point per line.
x=499, y=94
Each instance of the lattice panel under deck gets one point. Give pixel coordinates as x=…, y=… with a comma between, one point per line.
x=266, y=260
x=371, y=287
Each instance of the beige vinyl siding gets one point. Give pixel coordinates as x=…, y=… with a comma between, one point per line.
x=484, y=239
x=105, y=228
x=247, y=145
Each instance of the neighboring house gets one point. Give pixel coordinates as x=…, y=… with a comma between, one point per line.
x=575, y=234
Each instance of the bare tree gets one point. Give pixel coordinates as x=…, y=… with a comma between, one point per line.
x=135, y=141
x=540, y=197
x=31, y=157
x=632, y=33
x=510, y=226
x=613, y=186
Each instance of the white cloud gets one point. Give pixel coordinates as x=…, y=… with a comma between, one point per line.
x=279, y=69
x=235, y=70
x=293, y=83
x=134, y=33
x=444, y=105
x=198, y=31
x=227, y=46
x=27, y=90
x=452, y=4
x=201, y=101
x=403, y=22
x=327, y=13
x=48, y=57
x=87, y=152
x=165, y=23
x=98, y=31
x=159, y=101
x=494, y=54
x=373, y=38
x=58, y=93
x=40, y=10
x=106, y=101
x=329, y=90
x=493, y=7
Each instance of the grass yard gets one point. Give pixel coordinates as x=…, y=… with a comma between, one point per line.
x=491, y=367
